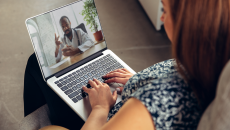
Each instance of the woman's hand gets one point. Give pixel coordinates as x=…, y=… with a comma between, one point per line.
x=100, y=95
x=118, y=76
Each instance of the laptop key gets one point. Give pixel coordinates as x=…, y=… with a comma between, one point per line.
x=89, y=74
x=73, y=94
x=78, y=81
x=81, y=78
x=74, y=100
x=64, y=88
x=98, y=75
x=86, y=81
x=59, y=85
x=76, y=76
x=73, y=83
x=69, y=85
x=75, y=88
x=79, y=90
x=68, y=91
x=78, y=72
x=72, y=78
x=67, y=80
x=86, y=76
x=63, y=83
x=56, y=82
x=79, y=97
x=93, y=72
x=61, y=79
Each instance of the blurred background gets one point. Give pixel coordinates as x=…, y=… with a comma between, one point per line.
x=128, y=31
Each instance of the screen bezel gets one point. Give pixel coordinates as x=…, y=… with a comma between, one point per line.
x=46, y=78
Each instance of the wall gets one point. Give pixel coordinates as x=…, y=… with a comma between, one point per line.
x=47, y=31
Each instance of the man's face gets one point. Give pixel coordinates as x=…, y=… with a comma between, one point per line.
x=66, y=26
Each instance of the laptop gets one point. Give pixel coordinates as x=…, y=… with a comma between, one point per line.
x=71, y=50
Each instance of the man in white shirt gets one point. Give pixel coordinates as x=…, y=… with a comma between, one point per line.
x=74, y=41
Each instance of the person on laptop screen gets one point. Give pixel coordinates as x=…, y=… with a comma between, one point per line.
x=73, y=42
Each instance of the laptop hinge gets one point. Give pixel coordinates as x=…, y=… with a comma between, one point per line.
x=80, y=63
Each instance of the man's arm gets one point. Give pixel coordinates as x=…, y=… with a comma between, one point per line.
x=56, y=51
x=86, y=41
x=59, y=53
x=59, y=47
x=70, y=51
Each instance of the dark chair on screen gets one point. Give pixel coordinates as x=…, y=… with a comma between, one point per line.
x=82, y=27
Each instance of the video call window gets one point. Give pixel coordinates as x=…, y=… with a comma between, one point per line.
x=62, y=36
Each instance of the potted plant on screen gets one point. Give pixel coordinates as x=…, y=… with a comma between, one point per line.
x=90, y=16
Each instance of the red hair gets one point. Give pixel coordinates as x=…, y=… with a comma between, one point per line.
x=201, y=43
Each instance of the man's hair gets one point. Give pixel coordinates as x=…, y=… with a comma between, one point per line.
x=201, y=43
x=63, y=18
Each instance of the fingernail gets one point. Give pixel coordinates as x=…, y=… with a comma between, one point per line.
x=118, y=89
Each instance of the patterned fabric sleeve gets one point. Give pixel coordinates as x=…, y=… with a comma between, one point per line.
x=161, y=69
x=167, y=97
x=171, y=104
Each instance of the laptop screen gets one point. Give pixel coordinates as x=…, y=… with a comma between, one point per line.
x=65, y=36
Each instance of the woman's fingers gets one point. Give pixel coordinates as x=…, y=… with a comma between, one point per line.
x=121, y=71
x=118, y=70
x=117, y=80
x=87, y=90
x=126, y=70
x=92, y=84
x=115, y=74
x=97, y=82
x=114, y=95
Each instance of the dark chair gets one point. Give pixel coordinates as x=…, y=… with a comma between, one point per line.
x=82, y=27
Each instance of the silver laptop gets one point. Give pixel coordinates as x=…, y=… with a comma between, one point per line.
x=71, y=49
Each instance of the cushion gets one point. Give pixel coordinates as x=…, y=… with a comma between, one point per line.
x=217, y=114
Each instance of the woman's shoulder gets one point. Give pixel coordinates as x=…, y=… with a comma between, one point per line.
x=160, y=70
x=155, y=73
x=171, y=103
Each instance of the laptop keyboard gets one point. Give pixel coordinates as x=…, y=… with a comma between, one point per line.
x=72, y=84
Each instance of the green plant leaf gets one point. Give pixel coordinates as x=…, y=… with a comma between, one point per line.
x=90, y=14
